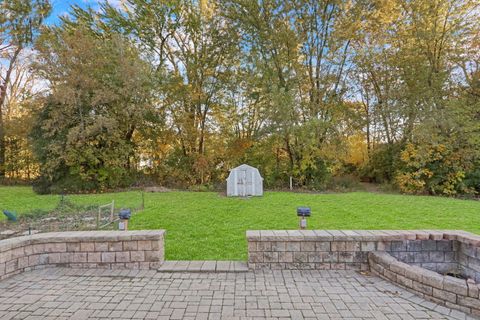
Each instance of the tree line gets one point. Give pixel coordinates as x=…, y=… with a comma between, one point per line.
x=178, y=92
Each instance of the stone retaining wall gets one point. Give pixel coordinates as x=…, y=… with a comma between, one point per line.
x=445, y=290
x=408, y=258
x=89, y=249
x=436, y=255
x=339, y=249
x=469, y=259
x=441, y=251
x=307, y=249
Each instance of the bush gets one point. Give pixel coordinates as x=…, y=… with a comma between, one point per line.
x=433, y=169
x=472, y=180
x=383, y=163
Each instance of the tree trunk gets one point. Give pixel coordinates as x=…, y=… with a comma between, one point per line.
x=2, y=141
x=3, y=97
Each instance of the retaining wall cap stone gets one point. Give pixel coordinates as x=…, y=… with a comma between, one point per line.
x=366, y=235
x=253, y=235
x=308, y=235
x=323, y=235
x=79, y=236
x=294, y=235
x=362, y=235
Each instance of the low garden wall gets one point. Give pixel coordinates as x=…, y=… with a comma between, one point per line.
x=88, y=249
x=344, y=249
x=445, y=290
x=440, y=251
x=416, y=260
x=307, y=249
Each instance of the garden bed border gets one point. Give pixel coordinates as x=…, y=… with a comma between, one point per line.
x=412, y=259
x=82, y=249
x=449, y=291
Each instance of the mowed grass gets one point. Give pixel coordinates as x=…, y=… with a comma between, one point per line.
x=209, y=226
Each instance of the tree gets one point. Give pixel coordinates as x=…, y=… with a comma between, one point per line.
x=20, y=21
x=19, y=105
x=193, y=51
x=405, y=59
x=183, y=90
x=84, y=136
x=302, y=66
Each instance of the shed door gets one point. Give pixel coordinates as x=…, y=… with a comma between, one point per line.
x=249, y=182
x=242, y=182
x=245, y=183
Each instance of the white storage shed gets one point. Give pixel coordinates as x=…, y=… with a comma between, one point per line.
x=244, y=181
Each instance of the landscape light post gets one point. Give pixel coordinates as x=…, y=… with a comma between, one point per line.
x=303, y=213
x=124, y=216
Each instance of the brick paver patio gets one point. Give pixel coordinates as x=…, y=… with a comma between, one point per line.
x=97, y=294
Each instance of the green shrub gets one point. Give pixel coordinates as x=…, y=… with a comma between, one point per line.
x=383, y=163
x=435, y=168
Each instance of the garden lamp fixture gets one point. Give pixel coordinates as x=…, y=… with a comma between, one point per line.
x=303, y=213
x=124, y=216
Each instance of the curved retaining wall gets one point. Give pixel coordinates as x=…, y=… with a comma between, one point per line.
x=408, y=258
x=445, y=290
x=83, y=249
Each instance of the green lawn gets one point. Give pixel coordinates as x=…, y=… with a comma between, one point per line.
x=210, y=226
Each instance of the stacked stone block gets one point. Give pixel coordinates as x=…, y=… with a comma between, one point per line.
x=469, y=260
x=445, y=290
x=415, y=260
x=89, y=249
x=438, y=251
x=436, y=255
x=310, y=249
x=320, y=249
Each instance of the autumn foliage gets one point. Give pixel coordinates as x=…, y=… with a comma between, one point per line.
x=323, y=92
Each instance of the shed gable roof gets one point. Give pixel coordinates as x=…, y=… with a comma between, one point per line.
x=243, y=166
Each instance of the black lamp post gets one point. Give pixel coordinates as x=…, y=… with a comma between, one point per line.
x=303, y=213
x=124, y=216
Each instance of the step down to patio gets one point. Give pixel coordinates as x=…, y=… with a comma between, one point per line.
x=203, y=266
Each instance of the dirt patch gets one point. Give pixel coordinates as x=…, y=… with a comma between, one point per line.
x=156, y=189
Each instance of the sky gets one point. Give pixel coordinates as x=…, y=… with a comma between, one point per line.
x=62, y=7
